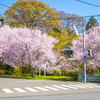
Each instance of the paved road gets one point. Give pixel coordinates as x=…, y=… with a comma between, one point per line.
x=19, y=89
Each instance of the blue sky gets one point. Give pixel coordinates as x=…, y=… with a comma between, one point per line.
x=68, y=6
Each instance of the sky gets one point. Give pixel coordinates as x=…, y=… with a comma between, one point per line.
x=68, y=6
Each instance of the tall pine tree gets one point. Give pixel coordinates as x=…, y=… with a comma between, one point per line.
x=91, y=23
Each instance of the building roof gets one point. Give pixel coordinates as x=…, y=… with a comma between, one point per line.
x=67, y=48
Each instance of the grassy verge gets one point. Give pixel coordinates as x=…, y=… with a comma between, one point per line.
x=55, y=78
x=50, y=78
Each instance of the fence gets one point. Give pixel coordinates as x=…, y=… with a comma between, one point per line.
x=89, y=77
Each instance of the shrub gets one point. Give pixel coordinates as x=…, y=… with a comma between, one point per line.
x=17, y=71
x=24, y=70
x=73, y=73
x=50, y=71
x=57, y=72
x=2, y=71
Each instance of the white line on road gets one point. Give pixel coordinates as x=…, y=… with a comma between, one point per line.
x=50, y=88
x=60, y=87
x=31, y=89
x=78, y=86
x=40, y=88
x=19, y=90
x=69, y=87
x=84, y=85
x=7, y=90
x=25, y=81
x=97, y=86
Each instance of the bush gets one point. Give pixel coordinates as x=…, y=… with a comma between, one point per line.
x=2, y=71
x=57, y=72
x=50, y=71
x=73, y=73
x=17, y=71
x=25, y=70
x=8, y=69
x=64, y=72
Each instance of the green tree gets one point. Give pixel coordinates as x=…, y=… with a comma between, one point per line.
x=64, y=38
x=91, y=23
x=31, y=13
x=55, y=32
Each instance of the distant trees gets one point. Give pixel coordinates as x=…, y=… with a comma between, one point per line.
x=70, y=20
x=31, y=13
x=91, y=23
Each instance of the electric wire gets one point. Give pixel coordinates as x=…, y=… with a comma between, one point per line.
x=60, y=18
x=4, y=5
x=63, y=18
x=88, y=3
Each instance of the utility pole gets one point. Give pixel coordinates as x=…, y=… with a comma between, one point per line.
x=84, y=55
x=84, y=52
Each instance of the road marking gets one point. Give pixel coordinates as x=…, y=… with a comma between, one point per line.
x=19, y=90
x=25, y=81
x=78, y=86
x=69, y=87
x=7, y=90
x=50, y=88
x=40, y=88
x=94, y=85
x=97, y=86
x=31, y=89
x=60, y=87
x=54, y=87
x=85, y=85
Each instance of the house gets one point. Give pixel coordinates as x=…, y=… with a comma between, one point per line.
x=68, y=53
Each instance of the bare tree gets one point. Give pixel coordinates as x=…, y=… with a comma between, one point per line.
x=68, y=20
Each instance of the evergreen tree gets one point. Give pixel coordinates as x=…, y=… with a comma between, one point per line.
x=91, y=23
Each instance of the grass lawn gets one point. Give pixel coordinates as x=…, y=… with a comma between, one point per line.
x=42, y=77
x=57, y=78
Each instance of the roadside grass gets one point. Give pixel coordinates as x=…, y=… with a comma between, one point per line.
x=42, y=77
x=56, y=78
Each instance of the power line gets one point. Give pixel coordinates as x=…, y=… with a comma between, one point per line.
x=67, y=17
x=75, y=17
x=88, y=3
x=57, y=19
x=4, y=5
x=70, y=8
x=58, y=6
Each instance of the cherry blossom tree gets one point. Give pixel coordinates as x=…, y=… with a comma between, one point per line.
x=26, y=47
x=61, y=62
x=60, y=65
x=92, y=41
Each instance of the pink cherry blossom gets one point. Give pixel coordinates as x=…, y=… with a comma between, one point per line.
x=92, y=41
x=27, y=46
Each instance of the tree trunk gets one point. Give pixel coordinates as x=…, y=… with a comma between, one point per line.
x=63, y=73
x=33, y=74
x=33, y=71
